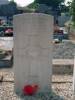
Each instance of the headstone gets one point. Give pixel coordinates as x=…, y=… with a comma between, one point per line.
x=63, y=19
x=33, y=50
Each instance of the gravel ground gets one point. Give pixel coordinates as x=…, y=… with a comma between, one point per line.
x=62, y=88
x=64, y=50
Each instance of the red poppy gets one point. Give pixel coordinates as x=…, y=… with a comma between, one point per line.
x=30, y=89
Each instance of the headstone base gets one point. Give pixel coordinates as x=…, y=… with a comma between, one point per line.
x=49, y=95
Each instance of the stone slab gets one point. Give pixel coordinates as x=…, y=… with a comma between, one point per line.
x=63, y=61
x=32, y=51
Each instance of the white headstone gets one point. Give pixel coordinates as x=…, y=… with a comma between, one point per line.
x=33, y=50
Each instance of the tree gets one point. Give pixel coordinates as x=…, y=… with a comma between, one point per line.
x=52, y=3
x=52, y=7
x=64, y=8
x=12, y=6
x=55, y=5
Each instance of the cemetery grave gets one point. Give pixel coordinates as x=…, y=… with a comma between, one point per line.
x=61, y=84
x=29, y=79
x=32, y=54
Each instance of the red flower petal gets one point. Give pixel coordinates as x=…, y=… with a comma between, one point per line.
x=30, y=89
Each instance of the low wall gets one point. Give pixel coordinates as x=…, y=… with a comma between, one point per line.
x=62, y=69
x=63, y=66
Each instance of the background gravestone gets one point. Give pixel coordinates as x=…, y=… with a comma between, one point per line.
x=33, y=50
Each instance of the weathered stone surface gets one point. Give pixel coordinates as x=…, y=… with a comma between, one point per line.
x=32, y=51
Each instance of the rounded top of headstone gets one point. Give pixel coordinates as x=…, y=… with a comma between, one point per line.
x=36, y=24
x=33, y=14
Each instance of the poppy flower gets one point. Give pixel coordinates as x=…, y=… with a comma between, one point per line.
x=30, y=89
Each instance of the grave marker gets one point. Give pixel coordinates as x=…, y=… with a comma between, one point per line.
x=33, y=50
